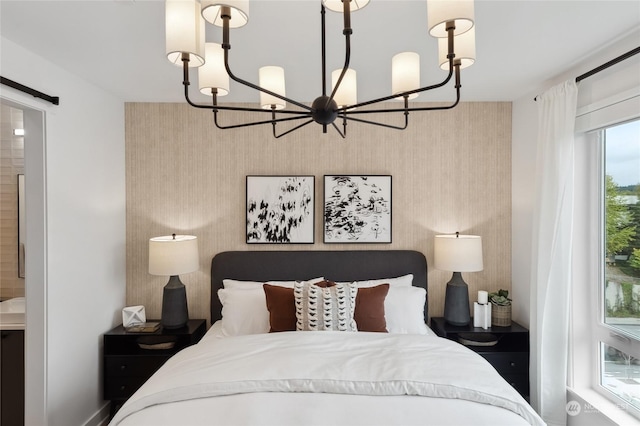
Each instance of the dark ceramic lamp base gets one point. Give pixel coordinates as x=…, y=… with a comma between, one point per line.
x=174, y=304
x=456, y=301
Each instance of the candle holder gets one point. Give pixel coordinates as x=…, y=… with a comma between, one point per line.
x=482, y=315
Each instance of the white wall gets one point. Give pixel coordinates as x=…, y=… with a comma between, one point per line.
x=524, y=149
x=77, y=287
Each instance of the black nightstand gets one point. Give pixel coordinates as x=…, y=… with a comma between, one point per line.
x=510, y=356
x=127, y=366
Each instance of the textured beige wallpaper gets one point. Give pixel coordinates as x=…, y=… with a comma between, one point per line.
x=451, y=172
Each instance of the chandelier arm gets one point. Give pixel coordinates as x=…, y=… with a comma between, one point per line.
x=338, y=130
x=226, y=46
x=389, y=126
x=233, y=108
x=273, y=120
x=347, y=31
x=457, y=64
x=388, y=98
x=186, y=83
x=246, y=109
x=437, y=108
x=379, y=111
x=291, y=130
x=452, y=64
x=255, y=87
x=254, y=123
x=406, y=110
x=323, y=52
x=344, y=68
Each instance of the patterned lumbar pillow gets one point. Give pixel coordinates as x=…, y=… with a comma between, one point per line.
x=325, y=308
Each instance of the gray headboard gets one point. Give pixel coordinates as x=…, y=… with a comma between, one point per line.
x=303, y=265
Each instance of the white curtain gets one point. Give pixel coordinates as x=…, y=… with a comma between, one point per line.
x=551, y=251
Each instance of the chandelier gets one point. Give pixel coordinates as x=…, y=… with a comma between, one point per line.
x=451, y=21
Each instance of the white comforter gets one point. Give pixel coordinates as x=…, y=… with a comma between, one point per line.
x=371, y=364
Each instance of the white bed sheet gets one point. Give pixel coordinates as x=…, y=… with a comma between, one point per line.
x=302, y=408
x=323, y=409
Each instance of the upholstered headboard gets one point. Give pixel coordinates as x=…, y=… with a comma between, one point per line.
x=357, y=265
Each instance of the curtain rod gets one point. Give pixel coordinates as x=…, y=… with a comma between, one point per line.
x=53, y=99
x=606, y=65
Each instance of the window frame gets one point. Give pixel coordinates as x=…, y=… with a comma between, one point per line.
x=587, y=326
x=602, y=332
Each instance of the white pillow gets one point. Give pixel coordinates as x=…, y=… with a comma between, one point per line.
x=403, y=281
x=404, y=310
x=244, y=311
x=240, y=285
x=403, y=306
x=244, y=306
x=235, y=284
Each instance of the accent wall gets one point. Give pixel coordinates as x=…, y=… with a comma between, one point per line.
x=451, y=171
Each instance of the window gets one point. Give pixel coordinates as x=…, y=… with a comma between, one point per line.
x=619, y=325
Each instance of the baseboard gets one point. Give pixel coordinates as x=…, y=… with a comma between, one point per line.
x=101, y=417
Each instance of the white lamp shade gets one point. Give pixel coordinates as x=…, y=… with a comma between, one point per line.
x=272, y=78
x=336, y=5
x=439, y=12
x=173, y=256
x=347, y=93
x=239, y=12
x=458, y=253
x=213, y=74
x=405, y=73
x=464, y=46
x=184, y=31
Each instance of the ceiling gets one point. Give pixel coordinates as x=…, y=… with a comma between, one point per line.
x=119, y=44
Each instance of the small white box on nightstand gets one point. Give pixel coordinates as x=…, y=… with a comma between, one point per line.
x=133, y=315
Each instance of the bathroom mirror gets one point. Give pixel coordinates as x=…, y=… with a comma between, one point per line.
x=22, y=221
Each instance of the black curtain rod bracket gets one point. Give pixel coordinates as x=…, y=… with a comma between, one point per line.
x=53, y=99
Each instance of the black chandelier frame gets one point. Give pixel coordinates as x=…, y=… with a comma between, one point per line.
x=324, y=109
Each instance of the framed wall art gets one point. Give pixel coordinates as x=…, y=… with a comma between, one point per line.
x=280, y=209
x=357, y=209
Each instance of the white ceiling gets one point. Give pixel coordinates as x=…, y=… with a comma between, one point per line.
x=119, y=44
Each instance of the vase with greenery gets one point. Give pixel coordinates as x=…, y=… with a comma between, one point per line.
x=500, y=308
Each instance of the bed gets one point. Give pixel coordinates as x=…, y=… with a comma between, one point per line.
x=365, y=357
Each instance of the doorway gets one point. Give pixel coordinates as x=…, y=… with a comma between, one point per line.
x=35, y=266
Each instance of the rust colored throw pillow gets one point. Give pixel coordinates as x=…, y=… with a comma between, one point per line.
x=369, y=313
x=281, y=307
x=325, y=284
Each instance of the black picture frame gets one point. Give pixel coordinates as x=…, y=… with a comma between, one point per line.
x=280, y=209
x=357, y=209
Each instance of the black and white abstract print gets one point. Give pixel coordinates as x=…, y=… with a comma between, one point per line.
x=280, y=209
x=357, y=209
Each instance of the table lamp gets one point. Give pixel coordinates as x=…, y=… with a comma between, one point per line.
x=170, y=256
x=457, y=253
